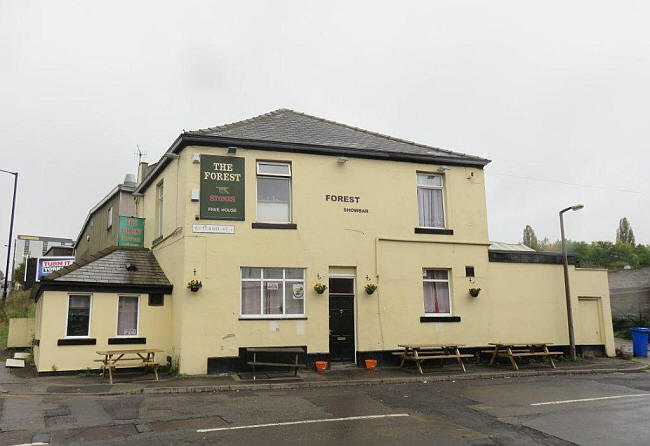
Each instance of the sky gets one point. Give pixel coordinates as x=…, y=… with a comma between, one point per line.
x=556, y=94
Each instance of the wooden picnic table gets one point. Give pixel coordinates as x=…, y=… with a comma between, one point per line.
x=286, y=350
x=512, y=350
x=114, y=358
x=421, y=352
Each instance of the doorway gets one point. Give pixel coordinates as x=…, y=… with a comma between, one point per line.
x=342, y=336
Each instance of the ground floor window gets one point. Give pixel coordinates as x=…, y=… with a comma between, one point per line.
x=272, y=292
x=436, y=292
x=127, y=316
x=78, y=323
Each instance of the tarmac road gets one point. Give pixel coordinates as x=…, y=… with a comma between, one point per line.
x=553, y=410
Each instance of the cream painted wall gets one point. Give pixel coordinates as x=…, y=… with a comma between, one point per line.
x=154, y=325
x=530, y=304
x=517, y=301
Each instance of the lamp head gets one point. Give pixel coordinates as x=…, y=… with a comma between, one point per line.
x=577, y=207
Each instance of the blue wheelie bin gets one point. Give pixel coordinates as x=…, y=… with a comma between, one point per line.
x=640, y=341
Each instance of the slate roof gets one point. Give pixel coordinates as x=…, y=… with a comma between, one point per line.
x=289, y=126
x=109, y=267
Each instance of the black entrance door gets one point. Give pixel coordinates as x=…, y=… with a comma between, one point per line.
x=341, y=297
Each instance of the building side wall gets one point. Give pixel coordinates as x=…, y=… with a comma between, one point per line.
x=528, y=303
x=154, y=325
x=97, y=235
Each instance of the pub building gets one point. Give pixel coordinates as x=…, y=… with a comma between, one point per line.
x=262, y=210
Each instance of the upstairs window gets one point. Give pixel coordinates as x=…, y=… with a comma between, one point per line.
x=436, y=292
x=110, y=218
x=273, y=192
x=431, y=207
x=78, y=323
x=159, y=209
x=272, y=292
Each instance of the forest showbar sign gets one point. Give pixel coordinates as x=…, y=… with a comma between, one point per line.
x=222, y=188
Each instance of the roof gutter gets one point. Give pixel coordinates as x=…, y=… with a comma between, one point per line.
x=187, y=139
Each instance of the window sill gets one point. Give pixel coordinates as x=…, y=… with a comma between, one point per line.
x=77, y=341
x=439, y=318
x=274, y=226
x=279, y=318
x=127, y=340
x=441, y=231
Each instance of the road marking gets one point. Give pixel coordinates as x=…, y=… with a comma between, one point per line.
x=288, y=423
x=32, y=444
x=584, y=400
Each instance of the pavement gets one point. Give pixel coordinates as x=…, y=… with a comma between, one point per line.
x=587, y=409
x=25, y=381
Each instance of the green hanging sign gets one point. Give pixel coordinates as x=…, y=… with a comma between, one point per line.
x=222, y=188
x=131, y=232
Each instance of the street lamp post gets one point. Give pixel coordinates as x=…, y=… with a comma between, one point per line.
x=569, y=311
x=11, y=231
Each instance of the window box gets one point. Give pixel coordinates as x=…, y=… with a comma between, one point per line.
x=274, y=226
x=439, y=318
x=77, y=341
x=441, y=231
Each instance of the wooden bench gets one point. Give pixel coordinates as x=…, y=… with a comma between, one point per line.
x=521, y=350
x=114, y=359
x=419, y=353
x=296, y=351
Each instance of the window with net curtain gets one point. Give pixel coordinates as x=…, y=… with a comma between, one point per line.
x=127, y=316
x=272, y=292
x=430, y=201
x=273, y=192
x=436, y=292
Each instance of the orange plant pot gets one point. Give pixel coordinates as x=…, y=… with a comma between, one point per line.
x=371, y=364
x=321, y=366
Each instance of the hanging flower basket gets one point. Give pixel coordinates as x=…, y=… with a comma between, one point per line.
x=320, y=287
x=371, y=288
x=194, y=285
x=474, y=292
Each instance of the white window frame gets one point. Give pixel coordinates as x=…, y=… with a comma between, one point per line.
x=283, y=280
x=273, y=163
x=67, y=315
x=117, y=317
x=110, y=218
x=447, y=281
x=160, y=194
x=441, y=188
x=275, y=175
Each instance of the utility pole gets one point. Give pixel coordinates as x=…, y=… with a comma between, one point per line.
x=11, y=232
x=567, y=291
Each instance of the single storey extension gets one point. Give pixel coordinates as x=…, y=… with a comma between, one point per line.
x=288, y=230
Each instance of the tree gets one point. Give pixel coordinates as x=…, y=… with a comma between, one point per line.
x=530, y=238
x=624, y=233
x=19, y=274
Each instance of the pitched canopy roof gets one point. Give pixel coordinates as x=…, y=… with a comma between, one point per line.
x=117, y=267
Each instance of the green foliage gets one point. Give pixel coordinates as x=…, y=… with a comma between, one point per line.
x=624, y=233
x=602, y=254
x=530, y=238
x=19, y=274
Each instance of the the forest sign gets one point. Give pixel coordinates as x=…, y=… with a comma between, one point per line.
x=222, y=188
